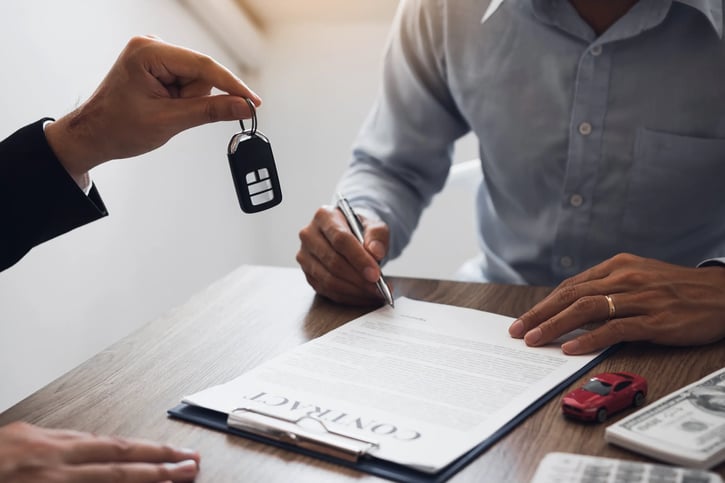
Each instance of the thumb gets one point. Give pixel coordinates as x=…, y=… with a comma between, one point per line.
x=377, y=238
x=192, y=112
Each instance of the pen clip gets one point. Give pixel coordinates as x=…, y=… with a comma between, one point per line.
x=304, y=432
x=352, y=219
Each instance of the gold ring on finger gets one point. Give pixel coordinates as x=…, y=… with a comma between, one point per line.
x=612, y=309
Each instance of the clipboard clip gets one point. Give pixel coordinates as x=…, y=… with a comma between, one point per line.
x=304, y=432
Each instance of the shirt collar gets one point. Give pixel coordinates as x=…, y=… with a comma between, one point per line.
x=711, y=9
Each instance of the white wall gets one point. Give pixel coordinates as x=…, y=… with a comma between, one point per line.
x=318, y=82
x=174, y=223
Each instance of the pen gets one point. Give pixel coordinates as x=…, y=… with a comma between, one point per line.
x=357, y=229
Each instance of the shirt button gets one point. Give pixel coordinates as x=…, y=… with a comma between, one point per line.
x=566, y=262
x=585, y=129
x=576, y=200
x=596, y=50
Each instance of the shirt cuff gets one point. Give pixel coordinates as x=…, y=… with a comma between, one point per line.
x=711, y=262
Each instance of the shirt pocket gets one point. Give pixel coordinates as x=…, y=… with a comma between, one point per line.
x=676, y=187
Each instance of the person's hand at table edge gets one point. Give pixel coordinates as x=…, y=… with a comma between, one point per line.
x=640, y=299
x=33, y=454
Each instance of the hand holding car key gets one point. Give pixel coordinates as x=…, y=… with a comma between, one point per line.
x=253, y=169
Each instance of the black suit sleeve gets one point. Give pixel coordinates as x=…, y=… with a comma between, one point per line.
x=38, y=198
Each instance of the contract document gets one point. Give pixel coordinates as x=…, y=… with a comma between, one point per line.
x=419, y=385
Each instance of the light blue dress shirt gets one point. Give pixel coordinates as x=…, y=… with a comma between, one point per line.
x=590, y=146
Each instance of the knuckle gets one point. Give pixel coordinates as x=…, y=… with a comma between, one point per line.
x=631, y=278
x=205, y=62
x=321, y=214
x=530, y=317
x=305, y=235
x=623, y=258
x=138, y=41
x=119, y=446
x=167, y=451
x=20, y=427
x=654, y=324
x=116, y=473
x=587, y=341
x=338, y=238
x=211, y=112
x=566, y=283
x=334, y=263
x=586, y=304
x=619, y=330
x=567, y=294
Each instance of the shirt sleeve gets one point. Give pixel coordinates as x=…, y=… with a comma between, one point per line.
x=38, y=198
x=403, y=152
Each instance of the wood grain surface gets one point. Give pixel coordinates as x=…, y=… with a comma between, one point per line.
x=258, y=312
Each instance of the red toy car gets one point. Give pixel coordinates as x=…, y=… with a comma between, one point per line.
x=605, y=394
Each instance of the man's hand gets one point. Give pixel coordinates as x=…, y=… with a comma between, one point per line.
x=336, y=264
x=153, y=91
x=652, y=301
x=32, y=454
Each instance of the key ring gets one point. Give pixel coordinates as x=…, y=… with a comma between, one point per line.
x=234, y=141
x=253, y=111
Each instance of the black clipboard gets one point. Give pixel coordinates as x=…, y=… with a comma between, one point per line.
x=368, y=463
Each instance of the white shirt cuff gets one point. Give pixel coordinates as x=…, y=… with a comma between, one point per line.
x=711, y=261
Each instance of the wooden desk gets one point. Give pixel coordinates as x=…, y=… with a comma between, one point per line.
x=256, y=313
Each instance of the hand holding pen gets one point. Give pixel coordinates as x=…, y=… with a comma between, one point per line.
x=337, y=264
x=357, y=229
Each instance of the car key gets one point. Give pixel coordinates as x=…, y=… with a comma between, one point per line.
x=253, y=169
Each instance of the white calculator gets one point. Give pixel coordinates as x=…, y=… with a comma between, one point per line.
x=576, y=468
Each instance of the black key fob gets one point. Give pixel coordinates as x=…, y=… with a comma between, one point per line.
x=253, y=169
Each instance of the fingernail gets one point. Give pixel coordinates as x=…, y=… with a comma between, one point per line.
x=517, y=329
x=254, y=97
x=377, y=249
x=370, y=274
x=188, y=452
x=571, y=347
x=533, y=336
x=186, y=468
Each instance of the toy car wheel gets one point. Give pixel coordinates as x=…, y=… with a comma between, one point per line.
x=638, y=399
x=601, y=415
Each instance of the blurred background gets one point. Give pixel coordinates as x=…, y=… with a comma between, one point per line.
x=174, y=224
